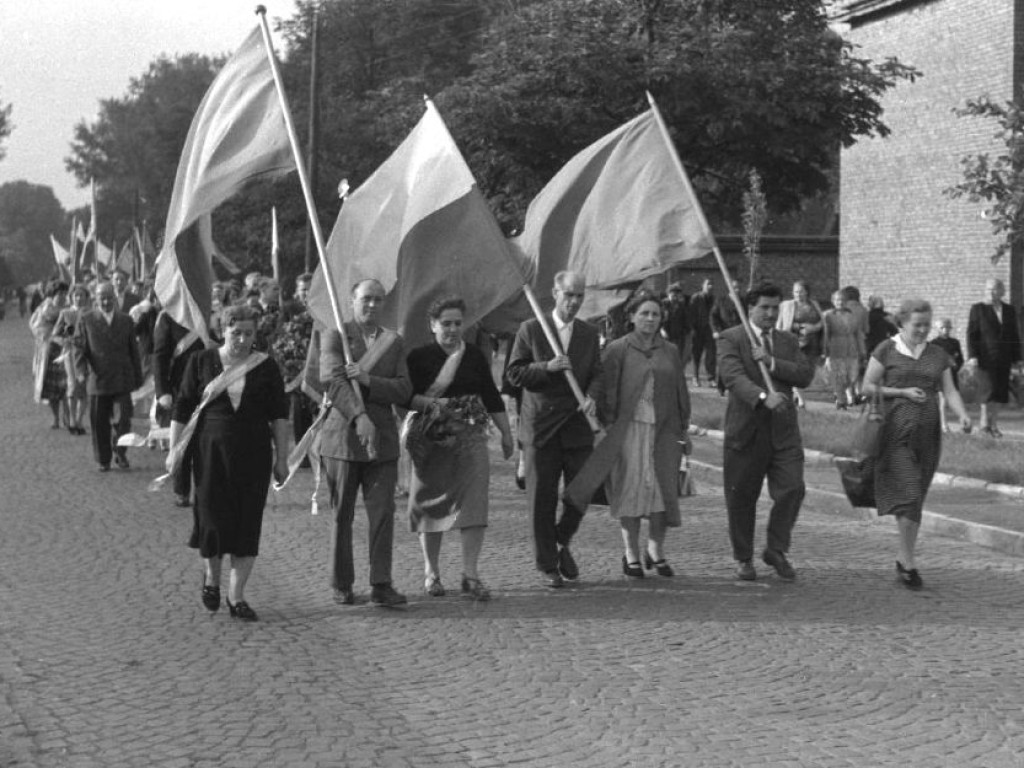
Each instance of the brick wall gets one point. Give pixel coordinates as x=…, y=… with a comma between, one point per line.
x=899, y=235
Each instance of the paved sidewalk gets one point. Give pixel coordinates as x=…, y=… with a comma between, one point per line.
x=108, y=660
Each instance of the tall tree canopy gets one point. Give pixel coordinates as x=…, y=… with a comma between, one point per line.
x=524, y=85
x=5, y=127
x=29, y=214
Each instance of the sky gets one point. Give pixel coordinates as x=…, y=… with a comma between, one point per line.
x=59, y=58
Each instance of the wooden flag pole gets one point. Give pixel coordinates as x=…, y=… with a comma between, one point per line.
x=307, y=193
x=704, y=223
x=549, y=334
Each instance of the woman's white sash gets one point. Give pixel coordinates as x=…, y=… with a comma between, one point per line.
x=216, y=387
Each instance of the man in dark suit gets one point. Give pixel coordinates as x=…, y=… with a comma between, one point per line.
x=360, y=440
x=993, y=345
x=762, y=436
x=553, y=430
x=701, y=306
x=173, y=345
x=123, y=297
x=677, y=321
x=107, y=357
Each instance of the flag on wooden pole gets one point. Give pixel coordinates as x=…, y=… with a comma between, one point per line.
x=275, y=246
x=237, y=136
x=617, y=213
x=421, y=227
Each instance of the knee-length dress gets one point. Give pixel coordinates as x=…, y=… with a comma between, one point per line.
x=450, y=483
x=232, y=454
x=912, y=432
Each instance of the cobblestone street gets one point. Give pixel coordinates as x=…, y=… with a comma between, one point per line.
x=109, y=660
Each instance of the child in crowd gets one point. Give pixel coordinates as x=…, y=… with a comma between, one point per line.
x=952, y=348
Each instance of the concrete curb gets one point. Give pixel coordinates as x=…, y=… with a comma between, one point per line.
x=821, y=458
x=1000, y=539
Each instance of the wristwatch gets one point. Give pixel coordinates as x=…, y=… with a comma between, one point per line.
x=762, y=397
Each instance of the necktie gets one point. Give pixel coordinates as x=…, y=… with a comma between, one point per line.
x=766, y=340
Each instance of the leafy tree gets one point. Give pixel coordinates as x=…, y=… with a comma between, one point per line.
x=998, y=181
x=5, y=127
x=132, y=148
x=29, y=214
x=742, y=84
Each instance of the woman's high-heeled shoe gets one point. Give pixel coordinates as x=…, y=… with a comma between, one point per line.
x=211, y=596
x=660, y=566
x=910, y=578
x=433, y=586
x=241, y=610
x=632, y=570
x=475, y=589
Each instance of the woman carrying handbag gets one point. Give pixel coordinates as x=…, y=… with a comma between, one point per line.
x=908, y=373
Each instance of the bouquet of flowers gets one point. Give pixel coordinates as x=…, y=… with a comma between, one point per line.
x=441, y=424
x=291, y=345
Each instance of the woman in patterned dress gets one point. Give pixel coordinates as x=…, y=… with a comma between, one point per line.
x=449, y=483
x=644, y=400
x=909, y=373
x=63, y=334
x=51, y=381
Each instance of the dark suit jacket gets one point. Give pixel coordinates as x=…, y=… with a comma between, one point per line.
x=292, y=309
x=745, y=416
x=130, y=300
x=700, y=307
x=994, y=344
x=168, y=369
x=107, y=354
x=549, y=406
x=389, y=385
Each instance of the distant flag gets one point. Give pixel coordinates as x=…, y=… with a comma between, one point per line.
x=104, y=257
x=80, y=234
x=147, y=252
x=237, y=135
x=63, y=259
x=126, y=259
x=91, y=234
x=275, y=245
x=617, y=212
x=421, y=227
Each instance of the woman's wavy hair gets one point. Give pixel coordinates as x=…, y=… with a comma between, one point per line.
x=237, y=313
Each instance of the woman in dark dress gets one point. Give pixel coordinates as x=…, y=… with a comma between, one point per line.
x=909, y=373
x=232, y=455
x=453, y=396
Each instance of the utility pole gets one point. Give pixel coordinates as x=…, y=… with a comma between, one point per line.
x=314, y=129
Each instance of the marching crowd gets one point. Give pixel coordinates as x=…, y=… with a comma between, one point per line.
x=600, y=420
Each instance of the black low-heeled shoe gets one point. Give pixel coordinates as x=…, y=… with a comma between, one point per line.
x=632, y=570
x=241, y=610
x=660, y=567
x=211, y=596
x=910, y=578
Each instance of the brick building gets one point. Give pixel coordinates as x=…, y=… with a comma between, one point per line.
x=899, y=235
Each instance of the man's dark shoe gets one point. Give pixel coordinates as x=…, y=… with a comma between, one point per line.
x=345, y=596
x=745, y=571
x=182, y=501
x=552, y=579
x=778, y=561
x=121, y=460
x=385, y=596
x=104, y=467
x=567, y=565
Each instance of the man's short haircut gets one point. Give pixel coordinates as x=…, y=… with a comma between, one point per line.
x=768, y=290
x=851, y=293
x=355, y=286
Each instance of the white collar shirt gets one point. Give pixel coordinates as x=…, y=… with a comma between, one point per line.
x=564, y=331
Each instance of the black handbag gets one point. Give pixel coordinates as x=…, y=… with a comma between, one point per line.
x=867, y=434
x=858, y=478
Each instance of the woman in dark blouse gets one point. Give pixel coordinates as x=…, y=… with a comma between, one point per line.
x=241, y=435
x=446, y=434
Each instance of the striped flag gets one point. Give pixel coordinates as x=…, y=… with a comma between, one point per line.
x=421, y=227
x=617, y=212
x=237, y=135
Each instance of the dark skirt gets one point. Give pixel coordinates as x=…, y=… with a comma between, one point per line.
x=232, y=461
x=55, y=378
